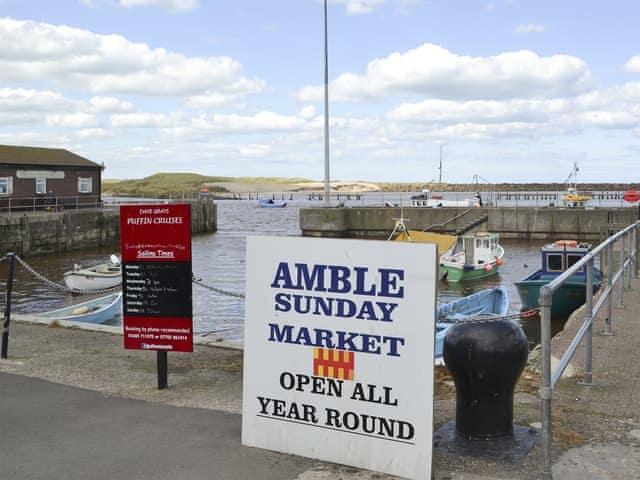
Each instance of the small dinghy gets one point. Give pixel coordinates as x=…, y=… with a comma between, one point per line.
x=98, y=277
x=270, y=203
x=96, y=310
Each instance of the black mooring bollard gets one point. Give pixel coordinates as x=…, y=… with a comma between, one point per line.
x=485, y=360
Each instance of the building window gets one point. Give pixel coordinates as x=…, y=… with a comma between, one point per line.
x=6, y=185
x=85, y=185
x=41, y=185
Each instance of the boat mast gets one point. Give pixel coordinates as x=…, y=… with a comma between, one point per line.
x=327, y=200
x=440, y=167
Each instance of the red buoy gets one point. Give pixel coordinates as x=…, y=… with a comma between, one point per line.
x=631, y=196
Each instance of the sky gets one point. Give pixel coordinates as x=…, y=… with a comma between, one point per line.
x=495, y=91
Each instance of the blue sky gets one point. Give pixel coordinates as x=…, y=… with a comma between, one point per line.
x=514, y=90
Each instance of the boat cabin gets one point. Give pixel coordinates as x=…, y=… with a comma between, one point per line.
x=562, y=254
x=480, y=247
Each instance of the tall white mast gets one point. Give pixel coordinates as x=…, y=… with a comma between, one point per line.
x=327, y=200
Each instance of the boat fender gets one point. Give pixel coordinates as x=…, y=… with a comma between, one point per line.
x=489, y=267
x=566, y=243
x=499, y=261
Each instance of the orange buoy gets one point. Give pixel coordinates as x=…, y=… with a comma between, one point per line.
x=499, y=261
x=566, y=243
x=631, y=196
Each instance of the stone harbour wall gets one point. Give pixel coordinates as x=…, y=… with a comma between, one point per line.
x=55, y=232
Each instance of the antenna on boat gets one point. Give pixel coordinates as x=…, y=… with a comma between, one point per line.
x=440, y=167
x=400, y=227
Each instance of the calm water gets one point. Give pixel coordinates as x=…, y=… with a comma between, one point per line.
x=219, y=261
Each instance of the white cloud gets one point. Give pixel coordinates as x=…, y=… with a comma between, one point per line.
x=171, y=5
x=435, y=72
x=93, y=134
x=110, y=64
x=109, y=105
x=633, y=65
x=73, y=120
x=308, y=111
x=530, y=28
x=138, y=120
x=22, y=100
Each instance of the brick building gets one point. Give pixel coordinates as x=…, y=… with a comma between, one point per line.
x=34, y=176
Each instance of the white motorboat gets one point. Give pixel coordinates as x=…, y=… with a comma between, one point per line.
x=98, y=277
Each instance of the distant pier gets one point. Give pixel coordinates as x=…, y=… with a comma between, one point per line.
x=510, y=222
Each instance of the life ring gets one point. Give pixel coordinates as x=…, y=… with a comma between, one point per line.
x=631, y=196
x=566, y=243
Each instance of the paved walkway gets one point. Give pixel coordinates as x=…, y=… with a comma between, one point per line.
x=50, y=430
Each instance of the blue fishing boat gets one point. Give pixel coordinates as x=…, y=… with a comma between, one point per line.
x=96, y=310
x=270, y=203
x=491, y=303
x=556, y=258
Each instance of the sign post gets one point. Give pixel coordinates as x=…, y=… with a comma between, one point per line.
x=155, y=244
x=339, y=345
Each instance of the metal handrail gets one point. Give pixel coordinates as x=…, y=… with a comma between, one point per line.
x=9, y=204
x=628, y=258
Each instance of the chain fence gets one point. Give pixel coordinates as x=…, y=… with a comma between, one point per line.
x=198, y=281
x=488, y=317
x=64, y=288
x=59, y=286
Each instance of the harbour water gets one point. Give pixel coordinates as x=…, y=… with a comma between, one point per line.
x=219, y=262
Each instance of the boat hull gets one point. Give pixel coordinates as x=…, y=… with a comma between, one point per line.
x=97, y=310
x=568, y=298
x=82, y=280
x=491, y=302
x=99, y=277
x=459, y=274
x=271, y=204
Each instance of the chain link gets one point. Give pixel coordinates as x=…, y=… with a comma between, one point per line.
x=217, y=290
x=59, y=286
x=490, y=317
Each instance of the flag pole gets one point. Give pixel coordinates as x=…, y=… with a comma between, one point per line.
x=327, y=200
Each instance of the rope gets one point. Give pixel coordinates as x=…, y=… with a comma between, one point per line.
x=59, y=286
x=489, y=317
x=198, y=281
x=2, y=259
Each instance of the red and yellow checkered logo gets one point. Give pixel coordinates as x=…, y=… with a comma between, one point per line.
x=333, y=363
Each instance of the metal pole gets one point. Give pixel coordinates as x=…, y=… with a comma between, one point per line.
x=545, y=389
x=588, y=337
x=634, y=250
x=327, y=200
x=11, y=257
x=628, y=255
x=162, y=370
x=622, y=242
x=440, y=168
x=607, y=321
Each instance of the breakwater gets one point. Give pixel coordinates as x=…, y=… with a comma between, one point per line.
x=57, y=232
x=519, y=223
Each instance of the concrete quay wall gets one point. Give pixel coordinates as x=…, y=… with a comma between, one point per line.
x=519, y=223
x=55, y=232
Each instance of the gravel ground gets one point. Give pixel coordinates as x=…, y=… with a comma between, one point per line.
x=211, y=377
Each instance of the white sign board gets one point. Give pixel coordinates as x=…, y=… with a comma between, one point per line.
x=338, y=359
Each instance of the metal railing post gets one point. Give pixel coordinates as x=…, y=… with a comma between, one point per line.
x=546, y=390
x=588, y=337
x=608, y=330
x=622, y=242
x=634, y=250
x=628, y=256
